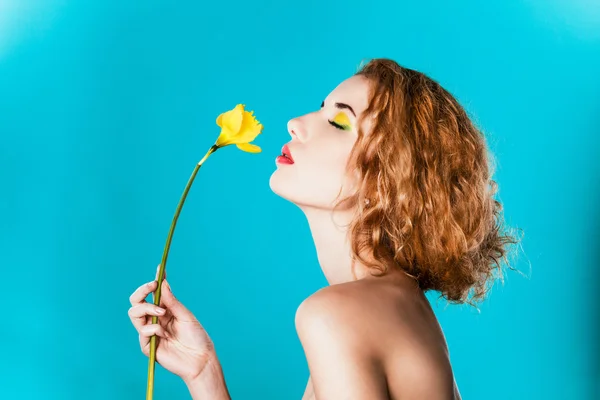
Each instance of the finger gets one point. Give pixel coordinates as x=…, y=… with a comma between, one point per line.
x=140, y=294
x=147, y=331
x=174, y=306
x=139, y=313
x=156, y=279
x=157, y=273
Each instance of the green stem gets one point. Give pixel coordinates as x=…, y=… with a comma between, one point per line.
x=163, y=264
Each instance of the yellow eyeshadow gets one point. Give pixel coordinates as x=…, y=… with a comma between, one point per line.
x=342, y=119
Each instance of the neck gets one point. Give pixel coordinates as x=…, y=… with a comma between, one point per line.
x=330, y=235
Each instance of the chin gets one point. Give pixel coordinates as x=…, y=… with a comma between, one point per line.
x=285, y=184
x=280, y=185
x=284, y=187
x=304, y=199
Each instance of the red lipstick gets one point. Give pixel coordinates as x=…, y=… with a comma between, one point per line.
x=285, y=157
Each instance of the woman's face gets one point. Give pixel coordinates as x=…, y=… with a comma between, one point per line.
x=320, y=146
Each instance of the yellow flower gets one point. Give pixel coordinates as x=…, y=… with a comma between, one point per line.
x=239, y=127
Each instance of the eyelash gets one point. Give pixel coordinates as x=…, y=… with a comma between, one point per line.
x=338, y=126
x=335, y=124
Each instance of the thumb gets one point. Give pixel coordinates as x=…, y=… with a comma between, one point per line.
x=172, y=304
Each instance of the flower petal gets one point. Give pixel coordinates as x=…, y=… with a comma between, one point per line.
x=230, y=123
x=232, y=119
x=249, y=148
x=224, y=138
x=250, y=128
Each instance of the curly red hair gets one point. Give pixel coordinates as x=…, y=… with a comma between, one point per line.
x=425, y=196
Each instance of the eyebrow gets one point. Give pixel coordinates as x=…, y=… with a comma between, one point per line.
x=340, y=106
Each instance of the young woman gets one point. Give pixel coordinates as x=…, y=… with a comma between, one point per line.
x=395, y=182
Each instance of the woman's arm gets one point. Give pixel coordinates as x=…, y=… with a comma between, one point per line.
x=209, y=384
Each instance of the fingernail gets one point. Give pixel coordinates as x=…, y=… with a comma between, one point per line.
x=160, y=310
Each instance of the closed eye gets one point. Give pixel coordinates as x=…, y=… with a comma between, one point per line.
x=342, y=127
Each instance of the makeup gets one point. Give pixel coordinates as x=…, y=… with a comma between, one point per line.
x=342, y=120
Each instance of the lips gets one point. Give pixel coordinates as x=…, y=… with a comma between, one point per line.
x=285, y=151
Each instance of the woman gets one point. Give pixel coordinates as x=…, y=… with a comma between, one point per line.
x=394, y=180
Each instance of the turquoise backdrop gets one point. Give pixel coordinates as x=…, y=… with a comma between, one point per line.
x=106, y=106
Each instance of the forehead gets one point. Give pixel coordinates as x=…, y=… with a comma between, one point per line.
x=353, y=91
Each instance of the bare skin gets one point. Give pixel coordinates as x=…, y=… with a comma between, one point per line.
x=403, y=334
x=183, y=347
x=394, y=321
x=364, y=337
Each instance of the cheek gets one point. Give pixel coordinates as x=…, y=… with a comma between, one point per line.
x=318, y=174
x=327, y=159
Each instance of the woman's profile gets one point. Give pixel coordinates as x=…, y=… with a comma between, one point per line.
x=396, y=184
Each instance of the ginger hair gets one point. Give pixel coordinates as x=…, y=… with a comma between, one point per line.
x=425, y=170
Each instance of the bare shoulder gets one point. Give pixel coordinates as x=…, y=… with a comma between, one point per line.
x=337, y=303
x=390, y=334
x=332, y=336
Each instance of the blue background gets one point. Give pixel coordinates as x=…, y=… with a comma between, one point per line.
x=106, y=106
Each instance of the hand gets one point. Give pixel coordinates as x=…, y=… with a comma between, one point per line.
x=183, y=347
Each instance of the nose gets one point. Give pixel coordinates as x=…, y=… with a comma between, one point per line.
x=295, y=129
